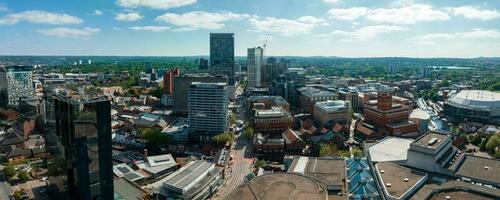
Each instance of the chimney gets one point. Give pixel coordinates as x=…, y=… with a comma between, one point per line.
x=146, y=155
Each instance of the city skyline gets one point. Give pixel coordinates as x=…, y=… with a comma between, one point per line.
x=402, y=28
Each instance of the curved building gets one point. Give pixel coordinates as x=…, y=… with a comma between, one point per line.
x=475, y=106
x=422, y=119
x=280, y=186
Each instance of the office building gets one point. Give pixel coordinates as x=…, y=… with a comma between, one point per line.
x=310, y=95
x=182, y=85
x=270, y=72
x=168, y=80
x=222, y=55
x=270, y=114
x=196, y=180
x=332, y=112
x=427, y=71
x=392, y=69
x=15, y=82
x=208, y=108
x=255, y=59
x=203, y=64
x=474, y=106
x=78, y=139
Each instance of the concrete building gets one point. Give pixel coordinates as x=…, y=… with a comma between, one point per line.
x=398, y=182
x=222, y=55
x=196, y=180
x=273, y=120
x=310, y=95
x=255, y=60
x=422, y=119
x=455, y=190
x=332, y=111
x=474, y=106
x=178, y=131
x=328, y=171
x=15, y=82
x=182, y=85
x=208, y=108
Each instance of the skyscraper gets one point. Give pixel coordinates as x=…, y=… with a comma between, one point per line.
x=270, y=72
x=255, y=59
x=222, y=55
x=208, y=108
x=15, y=82
x=202, y=64
x=181, y=89
x=78, y=141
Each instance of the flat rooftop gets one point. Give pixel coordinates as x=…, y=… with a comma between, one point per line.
x=431, y=140
x=328, y=171
x=397, y=180
x=390, y=149
x=280, y=186
x=480, y=168
x=188, y=174
x=125, y=189
x=455, y=190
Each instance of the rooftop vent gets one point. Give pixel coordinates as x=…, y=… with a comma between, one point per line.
x=406, y=179
x=447, y=197
x=388, y=184
x=382, y=171
x=432, y=141
x=486, y=167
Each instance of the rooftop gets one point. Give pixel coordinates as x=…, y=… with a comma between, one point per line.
x=480, y=168
x=329, y=171
x=431, y=140
x=396, y=180
x=455, y=190
x=273, y=112
x=333, y=105
x=187, y=176
x=315, y=92
x=280, y=186
x=157, y=164
x=125, y=189
x=477, y=98
x=390, y=149
x=419, y=114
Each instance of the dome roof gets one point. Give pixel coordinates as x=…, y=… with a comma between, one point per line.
x=477, y=98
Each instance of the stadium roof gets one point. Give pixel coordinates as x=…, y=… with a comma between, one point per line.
x=477, y=98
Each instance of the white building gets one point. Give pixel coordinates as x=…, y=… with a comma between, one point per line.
x=15, y=82
x=255, y=59
x=335, y=111
x=208, y=108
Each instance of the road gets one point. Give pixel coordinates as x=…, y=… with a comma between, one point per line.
x=351, y=140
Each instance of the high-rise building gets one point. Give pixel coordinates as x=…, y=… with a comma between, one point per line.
x=222, y=55
x=255, y=59
x=182, y=84
x=15, y=82
x=78, y=142
x=427, y=71
x=168, y=80
x=270, y=72
x=392, y=69
x=208, y=108
x=202, y=64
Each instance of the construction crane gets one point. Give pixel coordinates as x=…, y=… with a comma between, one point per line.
x=264, y=45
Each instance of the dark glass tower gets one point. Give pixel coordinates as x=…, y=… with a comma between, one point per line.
x=78, y=140
x=222, y=55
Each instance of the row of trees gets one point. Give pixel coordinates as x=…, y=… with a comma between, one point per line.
x=9, y=171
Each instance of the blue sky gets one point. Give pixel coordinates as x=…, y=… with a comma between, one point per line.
x=348, y=28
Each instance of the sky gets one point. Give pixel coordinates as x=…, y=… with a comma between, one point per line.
x=345, y=28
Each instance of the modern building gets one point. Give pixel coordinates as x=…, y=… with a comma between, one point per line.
x=182, y=85
x=286, y=86
x=270, y=72
x=222, y=55
x=397, y=182
x=255, y=60
x=168, y=80
x=196, y=180
x=332, y=112
x=280, y=186
x=78, y=139
x=15, y=82
x=390, y=115
x=422, y=119
x=208, y=108
x=310, y=95
x=427, y=71
x=272, y=120
x=202, y=64
x=474, y=106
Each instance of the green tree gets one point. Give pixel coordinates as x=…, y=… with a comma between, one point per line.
x=233, y=118
x=157, y=92
x=327, y=149
x=356, y=152
x=9, y=171
x=248, y=132
x=23, y=176
x=223, y=138
x=260, y=163
x=493, y=143
x=133, y=92
x=154, y=137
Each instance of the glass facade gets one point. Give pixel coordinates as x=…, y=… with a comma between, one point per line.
x=78, y=140
x=222, y=55
x=15, y=82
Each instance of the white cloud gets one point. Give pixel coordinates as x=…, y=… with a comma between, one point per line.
x=286, y=27
x=433, y=38
x=150, y=28
x=348, y=13
x=155, y=4
x=332, y=1
x=367, y=32
x=69, y=32
x=402, y=14
x=200, y=19
x=474, y=12
x=128, y=17
x=39, y=17
x=407, y=15
x=97, y=13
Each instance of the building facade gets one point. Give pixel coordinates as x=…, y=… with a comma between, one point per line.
x=208, y=108
x=270, y=72
x=255, y=60
x=15, y=82
x=310, y=95
x=222, y=55
x=168, y=80
x=332, y=111
x=78, y=139
x=474, y=106
x=182, y=85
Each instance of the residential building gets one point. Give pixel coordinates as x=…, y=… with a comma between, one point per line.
x=182, y=85
x=332, y=112
x=310, y=95
x=78, y=137
x=479, y=106
x=208, y=108
x=15, y=82
x=168, y=80
x=255, y=60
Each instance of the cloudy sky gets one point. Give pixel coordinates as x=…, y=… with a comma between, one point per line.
x=348, y=28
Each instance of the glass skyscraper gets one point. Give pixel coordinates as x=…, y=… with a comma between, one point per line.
x=78, y=142
x=255, y=59
x=222, y=55
x=15, y=82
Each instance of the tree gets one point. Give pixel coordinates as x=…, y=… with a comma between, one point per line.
x=9, y=171
x=23, y=176
x=223, y=138
x=260, y=163
x=233, y=118
x=157, y=92
x=154, y=137
x=248, y=132
x=133, y=92
x=327, y=149
x=356, y=152
x=493, y=143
